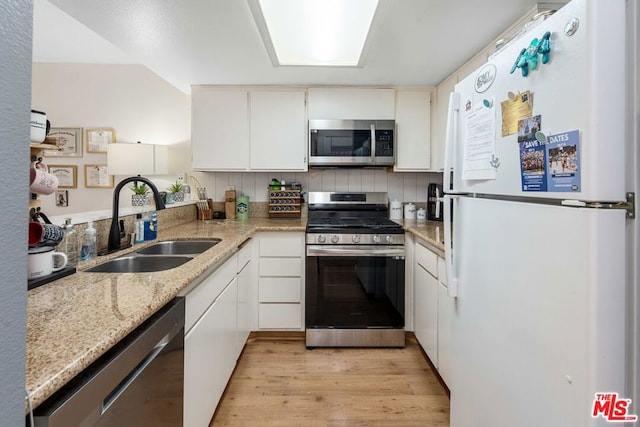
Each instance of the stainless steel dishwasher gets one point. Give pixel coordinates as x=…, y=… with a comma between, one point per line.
x=138, y=382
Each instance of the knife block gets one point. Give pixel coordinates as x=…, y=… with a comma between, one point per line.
x=205, y=214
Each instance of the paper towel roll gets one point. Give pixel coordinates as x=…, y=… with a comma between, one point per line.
x=395, y=211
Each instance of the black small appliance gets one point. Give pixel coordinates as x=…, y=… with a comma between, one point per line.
x=435, y=207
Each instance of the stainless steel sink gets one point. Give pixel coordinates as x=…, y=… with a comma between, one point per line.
x=140, y=264
x=179, y=247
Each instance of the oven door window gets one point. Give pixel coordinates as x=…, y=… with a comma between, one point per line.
x=354, y=292
x=341, y=143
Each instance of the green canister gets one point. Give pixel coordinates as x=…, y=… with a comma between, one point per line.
x=242, y=207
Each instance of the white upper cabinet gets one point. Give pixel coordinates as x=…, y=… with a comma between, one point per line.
x=439, y=128
x=351, y=103
x=239, y=129
x=219, y=129
x=413, y=128
x=278, y=135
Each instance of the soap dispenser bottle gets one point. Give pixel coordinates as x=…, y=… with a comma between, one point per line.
x=69, y=244
x=186, y=189
x=139, y=229
x=88, y=251
x=150, y=225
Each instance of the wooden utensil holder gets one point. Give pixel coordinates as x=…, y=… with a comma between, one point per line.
x=206, y=214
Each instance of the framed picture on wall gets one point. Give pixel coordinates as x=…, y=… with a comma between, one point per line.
x=62, y=198
x=68, y=140
x=97, y=176
x=98, y=139
x=67, y=175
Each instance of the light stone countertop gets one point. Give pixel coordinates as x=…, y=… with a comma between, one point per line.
x=74, y=320
x=432, y=232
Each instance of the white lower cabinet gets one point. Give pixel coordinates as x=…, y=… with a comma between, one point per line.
x=280, y=316
x=209, y=354
x=426, y=304
x=280, y=281
x=224, y=314
x=245, y=269
x=217, y=324
x=433, y=309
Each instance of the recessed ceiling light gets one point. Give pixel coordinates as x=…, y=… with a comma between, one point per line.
x=314, y=32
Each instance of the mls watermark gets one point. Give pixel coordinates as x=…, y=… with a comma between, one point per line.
x=612, y=408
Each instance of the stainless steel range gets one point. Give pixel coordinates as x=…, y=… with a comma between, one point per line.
x=354, y=294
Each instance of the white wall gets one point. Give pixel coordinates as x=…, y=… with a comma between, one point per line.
x=406, y=186
x=15, y=76
x=138, y=104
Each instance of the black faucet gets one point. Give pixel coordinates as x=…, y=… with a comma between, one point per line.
x=114, y=232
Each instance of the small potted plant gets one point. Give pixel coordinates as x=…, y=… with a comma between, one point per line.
x=140, y=191
x=176, y=191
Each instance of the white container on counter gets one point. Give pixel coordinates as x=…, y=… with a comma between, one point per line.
x=409, y=211
x=422, y=213
x=395, y=209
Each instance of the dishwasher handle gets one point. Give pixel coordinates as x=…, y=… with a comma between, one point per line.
x=122, y=387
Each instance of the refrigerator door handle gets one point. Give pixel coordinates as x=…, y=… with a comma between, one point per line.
x=451, y=135
x=450, y=261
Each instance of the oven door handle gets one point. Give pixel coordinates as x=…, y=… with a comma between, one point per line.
x=356, y=251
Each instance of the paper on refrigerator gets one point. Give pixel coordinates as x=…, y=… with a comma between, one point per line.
x=480, y=141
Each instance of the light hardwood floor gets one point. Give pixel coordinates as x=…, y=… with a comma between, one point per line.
x=278, y=382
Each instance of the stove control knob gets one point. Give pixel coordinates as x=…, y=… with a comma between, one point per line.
x=355, y=238
x=321, y=238
x=376, y=238
x=335, y=239
x=388, y=239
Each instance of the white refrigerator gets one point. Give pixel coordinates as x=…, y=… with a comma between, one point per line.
x=539, y=241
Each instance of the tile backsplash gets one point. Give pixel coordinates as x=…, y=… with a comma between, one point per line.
x=166, y=218
x=404, y=186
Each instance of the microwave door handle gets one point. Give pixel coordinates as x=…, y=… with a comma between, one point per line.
x=373, y=143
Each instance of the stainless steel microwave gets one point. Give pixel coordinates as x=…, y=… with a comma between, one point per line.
x=352, y=143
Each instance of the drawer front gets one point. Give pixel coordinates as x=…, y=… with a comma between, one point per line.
x=280, y=316
x=203, y=295
x=427, y=259
x=280, y=289
x=282, y=245
x=281, y=267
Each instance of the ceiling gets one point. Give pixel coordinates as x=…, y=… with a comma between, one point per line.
x=188, y=42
